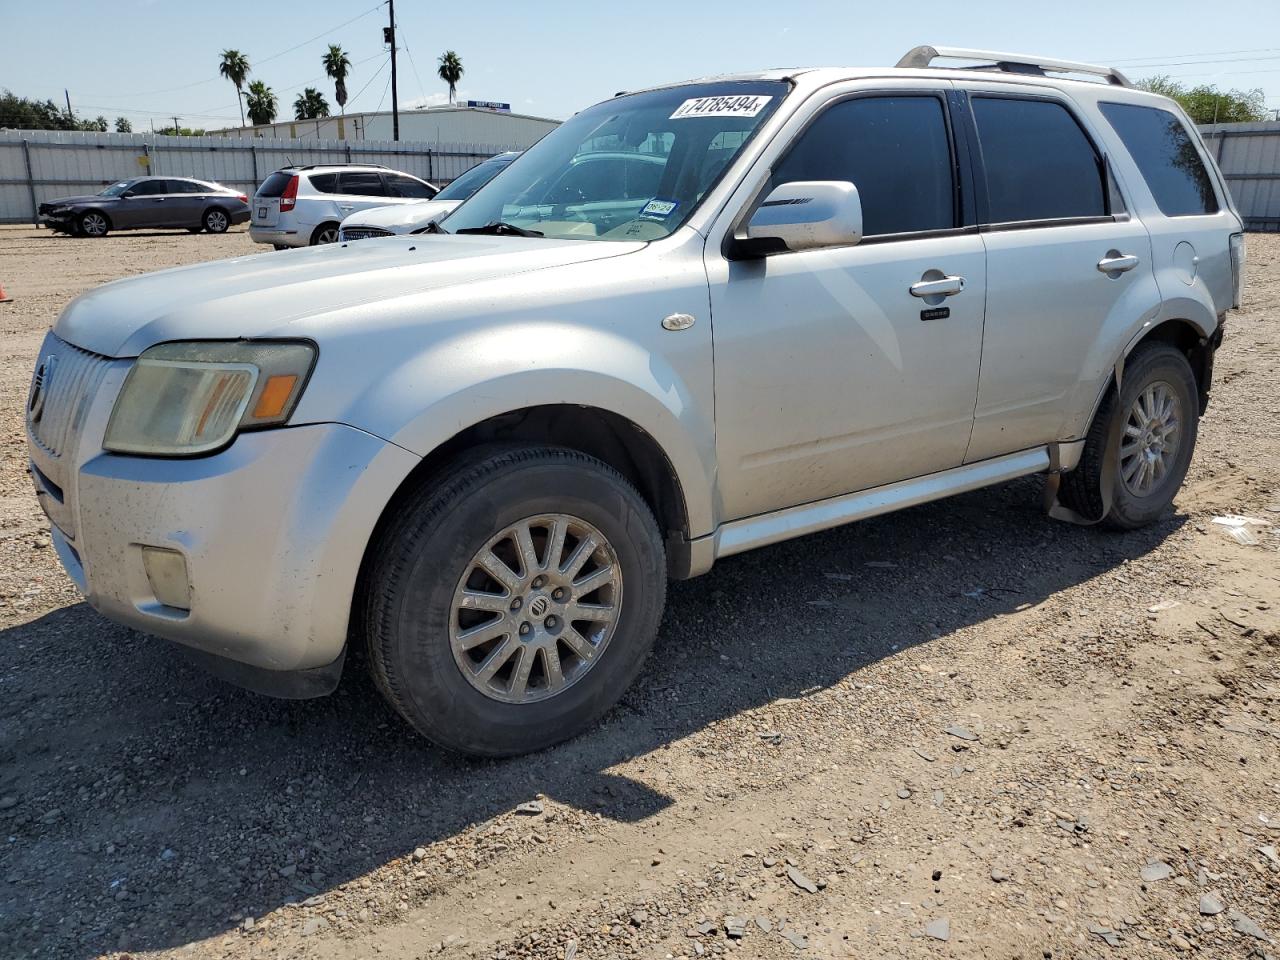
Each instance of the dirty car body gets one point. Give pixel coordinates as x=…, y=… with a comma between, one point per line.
x=754, y=344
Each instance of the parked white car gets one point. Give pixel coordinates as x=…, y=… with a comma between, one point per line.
x=416, y=217
x=303, y=206
x=692, y=320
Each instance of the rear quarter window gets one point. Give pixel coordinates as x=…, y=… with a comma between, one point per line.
x=324, y=182
x=1167, y=157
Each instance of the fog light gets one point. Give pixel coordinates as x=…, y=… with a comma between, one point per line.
x=167, y=574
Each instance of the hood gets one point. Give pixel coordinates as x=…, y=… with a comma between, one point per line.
x=269, y=294
x=403, y=218
x=71, y=201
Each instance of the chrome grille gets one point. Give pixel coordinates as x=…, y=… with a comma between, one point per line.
x=66, y=379
x=364, y=233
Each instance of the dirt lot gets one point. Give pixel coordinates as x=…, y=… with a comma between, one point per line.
x=960, y=731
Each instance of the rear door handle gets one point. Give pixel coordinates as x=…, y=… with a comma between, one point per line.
x=945, y=287
x=1116, y=262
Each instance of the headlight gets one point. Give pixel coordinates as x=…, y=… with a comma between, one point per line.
x=183, y=399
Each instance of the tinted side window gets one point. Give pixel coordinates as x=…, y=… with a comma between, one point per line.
x=324, y=182
x=186, y=186
x=1165, y=153
x=590, y=181
x=362, y=184
x=643, y=178
x=402, y=186
x=895, y=150
x=149, y=188
x=1039, y=163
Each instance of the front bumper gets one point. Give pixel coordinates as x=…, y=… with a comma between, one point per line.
x=271, y=530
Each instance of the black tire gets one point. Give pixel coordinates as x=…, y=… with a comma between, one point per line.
x=93, y=223
x=423, y=552
x=280, y=246
x=325, y=233
x=216, y=220
x=1082, y=489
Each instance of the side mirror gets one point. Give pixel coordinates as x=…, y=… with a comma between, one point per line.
x=803, y=215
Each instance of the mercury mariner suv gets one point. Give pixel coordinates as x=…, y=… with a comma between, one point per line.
x=480, y=452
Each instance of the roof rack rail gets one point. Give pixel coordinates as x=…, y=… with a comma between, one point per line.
x=923, y=56
x=354, y=163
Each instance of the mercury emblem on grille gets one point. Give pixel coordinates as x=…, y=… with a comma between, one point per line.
x=40, y=388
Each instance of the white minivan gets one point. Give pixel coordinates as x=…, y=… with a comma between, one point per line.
x=302, y=206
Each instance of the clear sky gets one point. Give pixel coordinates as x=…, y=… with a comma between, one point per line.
x=152, y=59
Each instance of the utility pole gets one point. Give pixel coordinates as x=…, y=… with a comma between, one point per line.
x=176, y=128
x=67, y=93
x=389, y=35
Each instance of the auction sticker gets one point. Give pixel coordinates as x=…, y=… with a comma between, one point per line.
x=746, y=106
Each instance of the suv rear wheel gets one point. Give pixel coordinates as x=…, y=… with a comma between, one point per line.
x=511, y=604
x=325, y=233
x=1140, y=443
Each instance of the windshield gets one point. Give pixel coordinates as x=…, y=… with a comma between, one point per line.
x=631, y=168
x=473, y=179
x=116, y=189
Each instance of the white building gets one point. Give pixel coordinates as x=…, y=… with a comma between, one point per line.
x=452, y=125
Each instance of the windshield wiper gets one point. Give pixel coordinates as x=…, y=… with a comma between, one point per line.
x=500, y=228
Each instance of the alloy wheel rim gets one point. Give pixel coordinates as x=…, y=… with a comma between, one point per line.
x=535, y=608
x=94, y=225
x=328, y=236
x=1152, y=436
x=217, y=222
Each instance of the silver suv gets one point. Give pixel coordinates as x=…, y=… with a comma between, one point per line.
x=302, y=206
x=479, y=453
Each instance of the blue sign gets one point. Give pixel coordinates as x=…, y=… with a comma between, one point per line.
x=489, y=105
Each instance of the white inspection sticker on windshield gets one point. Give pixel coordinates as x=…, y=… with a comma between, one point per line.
x=747, y=106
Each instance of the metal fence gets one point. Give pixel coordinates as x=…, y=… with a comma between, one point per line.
x=1249, y=155
x=38, y=165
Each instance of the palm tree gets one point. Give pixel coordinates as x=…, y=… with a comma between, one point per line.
x=262, y=103
x=450, y=71
x=235, y=67
x=337, y=64
x=310, y=105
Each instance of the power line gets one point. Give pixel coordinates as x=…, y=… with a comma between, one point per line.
x=1134, y=61
x=220, y=79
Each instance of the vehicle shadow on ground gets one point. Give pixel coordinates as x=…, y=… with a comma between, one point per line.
x=156, y=806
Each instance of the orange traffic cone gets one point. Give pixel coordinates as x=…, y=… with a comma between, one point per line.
x=4, y=297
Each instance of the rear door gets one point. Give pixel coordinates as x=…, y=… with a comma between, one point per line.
x=1066, y=263
x=361, y=189
x=186, y=203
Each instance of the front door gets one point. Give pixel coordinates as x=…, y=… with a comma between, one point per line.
x=142, y=206
x=831, y=374
x=1066, y=268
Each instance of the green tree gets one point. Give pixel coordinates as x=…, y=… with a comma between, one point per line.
x=20, y=113
x=123, y=125
x=180, y=132
x=235, y=67
x=337, y=65
x=1207, y=104
x=310, y=104
x=262, y=103
x=450, y=71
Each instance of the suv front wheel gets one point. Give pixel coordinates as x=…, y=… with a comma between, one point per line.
x=1140, y=443
x=510, y=604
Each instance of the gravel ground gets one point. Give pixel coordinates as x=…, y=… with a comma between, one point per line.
x=961, y=731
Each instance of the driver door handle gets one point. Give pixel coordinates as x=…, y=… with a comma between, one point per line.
x=945, y=287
